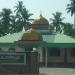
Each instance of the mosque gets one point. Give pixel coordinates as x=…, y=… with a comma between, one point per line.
x=52, y=48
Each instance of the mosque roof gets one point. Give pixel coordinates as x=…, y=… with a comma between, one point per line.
x=11, y=38
x=31, y=35
x=58, y=38
x=48, y=40
x=40, y=21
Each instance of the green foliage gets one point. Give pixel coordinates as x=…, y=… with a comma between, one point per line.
x=5, y=19
x=22, y=16
x=56, y=21
x=68, y=29
x=11, y=22
x=71, y=7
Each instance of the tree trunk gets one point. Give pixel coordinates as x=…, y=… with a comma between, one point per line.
x=74, y=21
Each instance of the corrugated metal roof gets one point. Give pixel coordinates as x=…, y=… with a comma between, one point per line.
x=11, y=38
x=58, y=38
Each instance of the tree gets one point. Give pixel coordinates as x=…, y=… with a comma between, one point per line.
x=22, y=15
x=56, y=21
x=13, y=24
x=5, y=18
x=71, y=8
x=68, y=29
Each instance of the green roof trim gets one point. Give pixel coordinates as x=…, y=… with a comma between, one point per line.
x=7, y=44
x=61, y=45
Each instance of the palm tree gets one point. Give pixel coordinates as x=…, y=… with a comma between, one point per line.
x=22, y=15
x=71, y=8
x=5, y=18
x=13, y=24
x=19, y=9
x=57, y=21
x=26, y=17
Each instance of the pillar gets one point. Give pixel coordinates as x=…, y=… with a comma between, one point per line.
x=46, y=58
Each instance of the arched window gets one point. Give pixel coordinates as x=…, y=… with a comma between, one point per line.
x=11, y=49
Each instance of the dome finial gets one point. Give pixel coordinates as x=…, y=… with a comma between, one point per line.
x=40, y=13
x=23, y=30
x=40, y=20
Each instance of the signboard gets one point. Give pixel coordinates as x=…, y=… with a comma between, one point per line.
x=13, y=58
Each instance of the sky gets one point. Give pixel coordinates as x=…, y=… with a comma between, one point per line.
x=46, y=7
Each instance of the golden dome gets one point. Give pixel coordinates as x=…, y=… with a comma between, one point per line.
x=40, y=21
x=31, y=34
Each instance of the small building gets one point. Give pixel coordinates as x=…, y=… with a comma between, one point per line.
x=52, y=48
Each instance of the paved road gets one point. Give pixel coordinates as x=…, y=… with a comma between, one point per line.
x=57, y=71
x=53, y=71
